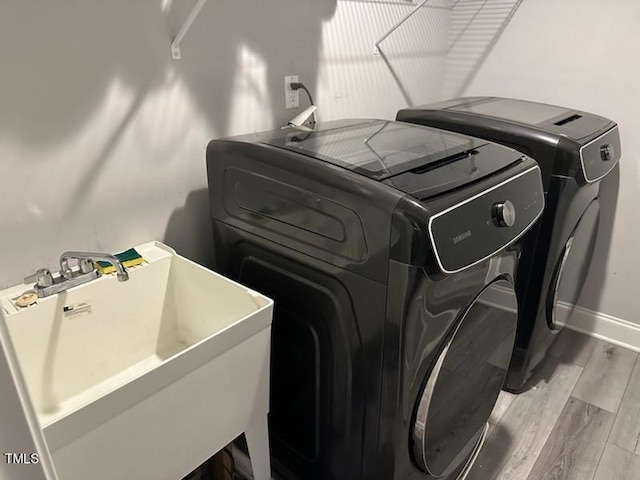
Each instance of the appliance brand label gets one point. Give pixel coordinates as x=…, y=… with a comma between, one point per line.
x=462, y=236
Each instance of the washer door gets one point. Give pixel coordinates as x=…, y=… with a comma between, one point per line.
x=465, y=381
x=572, y=267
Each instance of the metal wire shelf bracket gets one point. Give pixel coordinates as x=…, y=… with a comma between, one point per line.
x=176, y=53
x=376, y=46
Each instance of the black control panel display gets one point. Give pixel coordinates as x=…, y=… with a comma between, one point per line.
x=472, y=231
x=601, y=155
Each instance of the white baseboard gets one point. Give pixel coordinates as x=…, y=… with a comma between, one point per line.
x=594, y=324
x=605, y=327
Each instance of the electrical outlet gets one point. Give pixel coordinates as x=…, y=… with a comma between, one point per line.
x=291, y=97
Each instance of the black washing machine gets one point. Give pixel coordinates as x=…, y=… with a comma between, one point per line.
x=390, y=251
x=575, y=150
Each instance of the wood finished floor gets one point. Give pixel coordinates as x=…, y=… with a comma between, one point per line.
x=580, y=419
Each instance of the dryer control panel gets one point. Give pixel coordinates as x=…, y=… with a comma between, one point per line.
x=471, y=231
x=600, y=155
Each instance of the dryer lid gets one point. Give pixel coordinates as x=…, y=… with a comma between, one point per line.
x=383, y=149
x=577, y=125
x=521, y=111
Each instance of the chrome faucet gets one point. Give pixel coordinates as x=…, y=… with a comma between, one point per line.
x=47, y=284
x=85, y=261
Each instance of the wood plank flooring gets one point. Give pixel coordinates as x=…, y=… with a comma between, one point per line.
x=520, y=435
x=579, y=420
x=606, y=376
x=573, y=347
x=593, y=435
x=626, y=429
x=618, y=464
x=573, y=448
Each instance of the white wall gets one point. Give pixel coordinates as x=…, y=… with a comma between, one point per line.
x=102, y=135
x=584, y=54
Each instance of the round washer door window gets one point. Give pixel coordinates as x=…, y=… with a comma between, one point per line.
x=571, y=270
x=465, y=381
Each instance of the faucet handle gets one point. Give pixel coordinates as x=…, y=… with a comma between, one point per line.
x=86, y=265
x=42, y=278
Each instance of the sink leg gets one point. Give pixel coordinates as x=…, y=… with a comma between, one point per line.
x=257, y=435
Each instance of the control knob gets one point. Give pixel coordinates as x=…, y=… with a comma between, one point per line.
x=606, y=152
x=504, y=213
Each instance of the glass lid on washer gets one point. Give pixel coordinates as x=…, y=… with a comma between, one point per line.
x=377, y=148
x=531, y=113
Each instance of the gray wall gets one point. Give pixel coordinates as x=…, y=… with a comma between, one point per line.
x=584, y=54
x=103, y=135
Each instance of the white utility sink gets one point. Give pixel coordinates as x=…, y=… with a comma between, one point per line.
x=146, y=379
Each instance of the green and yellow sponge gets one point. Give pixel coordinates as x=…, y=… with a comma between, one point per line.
x=129, y=258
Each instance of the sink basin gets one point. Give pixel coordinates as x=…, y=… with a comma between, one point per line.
x=146, y=378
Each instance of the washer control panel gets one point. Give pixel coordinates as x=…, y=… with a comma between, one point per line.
x=504, y=213
x=475, y=229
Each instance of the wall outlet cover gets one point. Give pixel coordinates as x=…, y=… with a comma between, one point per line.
x=291, y=97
